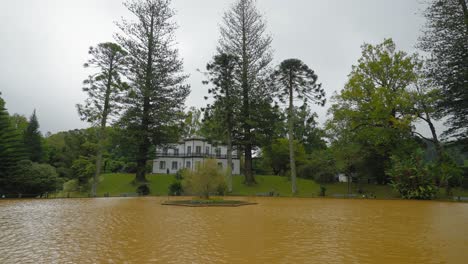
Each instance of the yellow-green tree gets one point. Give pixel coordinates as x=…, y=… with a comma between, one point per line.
x=206, y=179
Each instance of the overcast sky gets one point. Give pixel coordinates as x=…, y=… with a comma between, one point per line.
x=44, y=43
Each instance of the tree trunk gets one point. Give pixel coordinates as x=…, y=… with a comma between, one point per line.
x=465, y=12
x=102, y=130
x=143, y=148
x=229, y=153
x=291, y=140
x=249, y=178
x=229, y=165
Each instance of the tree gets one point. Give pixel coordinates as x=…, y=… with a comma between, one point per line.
x=33, y=139
x=154, y=106
x=375, y=105
x=425, y=100
x=11, y=149
x=35, y=179
x=206, y=179
x=445, y=38
x=225, y=92
x=277, y=155
x=104, y=91
x=306, y=129
x=192, y=122
x=243, y=35
x=295, y=80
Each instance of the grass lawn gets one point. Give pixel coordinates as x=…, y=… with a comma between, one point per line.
x=118, y=184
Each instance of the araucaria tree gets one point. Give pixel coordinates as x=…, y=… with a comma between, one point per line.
x=445, y=38
x=33, y=139
x=157, y=93
x=243, y=34
x=105, y=91
x=295, y=80
x=225, y=92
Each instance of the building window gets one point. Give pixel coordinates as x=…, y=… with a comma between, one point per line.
x=174, y=165
x=165, y=151
x=220, y=165
x=198, y=149
x=218, y=152
x=162, y=165
x=188, y=165
x=189, y=150
x=207, y=150
x=176, y=152
x=232, y=166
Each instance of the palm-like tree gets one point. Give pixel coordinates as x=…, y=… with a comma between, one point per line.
x=294, y=80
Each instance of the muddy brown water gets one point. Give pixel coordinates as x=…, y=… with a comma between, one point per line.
x=277, y=230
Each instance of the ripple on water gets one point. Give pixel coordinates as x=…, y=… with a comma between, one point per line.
x=140, y=230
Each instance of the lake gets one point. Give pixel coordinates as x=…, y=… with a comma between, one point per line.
x=277, y=230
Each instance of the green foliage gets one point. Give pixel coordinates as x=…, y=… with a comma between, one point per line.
x=192, y=123
x=180, y=174
x=71, y=186
x=204, y=180
x=83, y=169
x=157, y=91
x=447, y=173
x=306, y=129
x=243, y=35
x=276, y=155
x=104, y=89
x=11, y=149
x=445, y=38
x=374, y=111
x=143, y=190
x=323, y=190
x=34, y=179
x=176, y=188
x=412, y=178
x=320, y=166
x=33, y=139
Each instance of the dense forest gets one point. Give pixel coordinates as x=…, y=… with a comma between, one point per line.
x=137, y=89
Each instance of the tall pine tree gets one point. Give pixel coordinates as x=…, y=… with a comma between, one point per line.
x=157, y=94
x=33, y=139
x=11, y=149
x=243, y=34
x=445, y=38
x=105, y=91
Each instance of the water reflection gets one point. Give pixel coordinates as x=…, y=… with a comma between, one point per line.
x=277, y=230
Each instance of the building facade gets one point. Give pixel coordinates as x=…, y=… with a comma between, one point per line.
x=190, y=153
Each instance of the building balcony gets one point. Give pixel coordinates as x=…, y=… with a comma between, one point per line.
x=194, y=155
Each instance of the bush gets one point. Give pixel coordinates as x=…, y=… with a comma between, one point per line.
x=205, y=180
x=222, y=189
x=323, y=190
x=71, y=186
x=130, y=167
x=83, y=169
x=35, y=179
x=176, y=189
x=321, y=167
x=115, y=166
x=180, y=174
x=143, y=190
x=412, y=178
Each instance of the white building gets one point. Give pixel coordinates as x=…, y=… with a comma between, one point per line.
x=190, y=153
